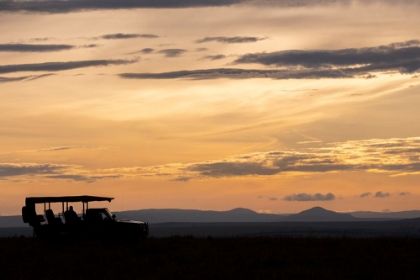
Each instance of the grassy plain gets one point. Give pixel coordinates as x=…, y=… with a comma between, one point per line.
x=212, y=258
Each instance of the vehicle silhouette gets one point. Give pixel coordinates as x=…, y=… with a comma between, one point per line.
x=92, y=223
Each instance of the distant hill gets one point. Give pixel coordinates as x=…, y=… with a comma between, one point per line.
x=386, y=215
x=238, y=215
x=197, y=216
x=318, y=214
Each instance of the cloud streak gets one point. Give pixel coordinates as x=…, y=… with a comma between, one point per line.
x=172, y=52
x=403, y=57
x=230, y=40
x=34, y=48
x=52, y=6
x=61, y=66
x=10, y=169
x=235, y=73
x=23, y=78
x=119, y=36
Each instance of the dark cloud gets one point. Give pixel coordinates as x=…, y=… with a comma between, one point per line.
x=230, y=40
x=404, y=193
x=89, y=46
x=234, y=73
x=215, y=57
x=381, y=194
x=172, y=52
x=53, y=6
x=366, y=194
x=182, y=179
x=61, y=66
x=318, y=64
x=34, y=48
x=12, y=79
x=310, y=197
x=44, y=39
x=147, y=50
x=117, y=36
x=23, y=78
x=403, y=57
x=9, y=169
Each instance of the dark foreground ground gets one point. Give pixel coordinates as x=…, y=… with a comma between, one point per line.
x=212, y=258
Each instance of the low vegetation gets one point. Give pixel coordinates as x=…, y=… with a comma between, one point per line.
x=212, y=258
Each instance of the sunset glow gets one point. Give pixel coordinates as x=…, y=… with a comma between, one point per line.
x=266, y=105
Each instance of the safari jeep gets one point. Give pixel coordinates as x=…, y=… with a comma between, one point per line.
x=91, y=223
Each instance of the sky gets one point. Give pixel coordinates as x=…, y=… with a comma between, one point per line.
x=276, y=106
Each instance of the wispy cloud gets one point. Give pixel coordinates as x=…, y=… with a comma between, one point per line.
x=214, y=57
x=15, y=169
x=310, y=197
x=52, y=6
x=375, y=155
x=119, y=36
x=86, y=178
x=23, y=78
x=61, y=66
x=230, y=40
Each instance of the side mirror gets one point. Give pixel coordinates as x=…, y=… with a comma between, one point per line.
x=114, y=217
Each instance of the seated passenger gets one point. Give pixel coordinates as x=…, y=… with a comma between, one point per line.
x=71, y=216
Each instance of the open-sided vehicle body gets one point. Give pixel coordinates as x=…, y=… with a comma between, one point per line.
x=93, y=222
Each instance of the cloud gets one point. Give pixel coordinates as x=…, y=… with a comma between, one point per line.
x=230, y=40
x=117, y=36
x=222, y=169
x=11, y=169
x=61, y=66
x=172, y=52
x=404, y=193
x=235, y=73
x=34, y=48
x=310, y=197
x=53, y=6
x=381, y=195
x=272, y=198
x=78, y=177
x=66, y=148
x=147, y=50
x=401, y=56
x=364, y=155
x=366, y=194
x=182, y=179
x=23, y=78
x=214, y=57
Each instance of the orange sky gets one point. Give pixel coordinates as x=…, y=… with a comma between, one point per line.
x=258, y=104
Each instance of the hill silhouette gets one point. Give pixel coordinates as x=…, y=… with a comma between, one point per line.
x=319, y=214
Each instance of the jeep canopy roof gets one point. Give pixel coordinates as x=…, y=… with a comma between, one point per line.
x=52, y=199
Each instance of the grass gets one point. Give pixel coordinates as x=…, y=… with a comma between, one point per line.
x=212, y=258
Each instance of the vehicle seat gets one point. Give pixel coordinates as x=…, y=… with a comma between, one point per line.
x=52, y=220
